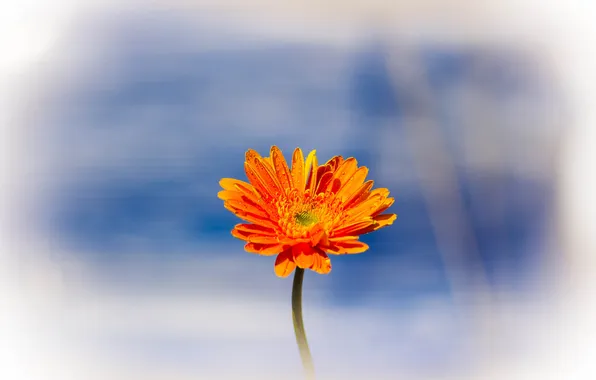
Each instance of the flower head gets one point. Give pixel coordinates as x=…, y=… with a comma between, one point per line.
x=303, y=213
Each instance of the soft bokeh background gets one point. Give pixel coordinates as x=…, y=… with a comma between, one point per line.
x=119, y=120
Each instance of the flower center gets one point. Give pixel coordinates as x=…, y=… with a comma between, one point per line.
x=299, y=213
x=306, y=219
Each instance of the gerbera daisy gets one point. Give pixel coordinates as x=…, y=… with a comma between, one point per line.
x=303, y=213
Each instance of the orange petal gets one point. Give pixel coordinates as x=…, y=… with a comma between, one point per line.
x=260, y=239
x=250, y=217
x=348, y=246
x=310, y=168
x=229, y=194
x=346, y=169
x=359, y=195
x=264, y=172
x=257, y=183
x=303, y=255
x=231, y=183
x=269, y=162
x=334, y=186
x=321, y=262
x=343, y=238
x=352, y=184
x=248, y=195
x=384, y=206
x=232, y=186
x=365, y=208
x=375, y=203
x=281, y=168
x=264, y=249
x=365, y=227
x=357, y=228
x=381, y=191
x=325, y=181
x=247, y=206
x=248, y=231
x=322, y=170
x=334, y=162
x=298, y=170
x=247, y=191
x=384, y=220
x=284, y=263
x=254, y=229
x=318, y=235
x=293, y=241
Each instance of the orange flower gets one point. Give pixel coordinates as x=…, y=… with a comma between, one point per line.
x=303, y=213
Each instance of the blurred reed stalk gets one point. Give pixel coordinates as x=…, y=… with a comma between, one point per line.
x=437, y=174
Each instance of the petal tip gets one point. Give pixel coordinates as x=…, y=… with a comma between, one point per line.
x=284, y=264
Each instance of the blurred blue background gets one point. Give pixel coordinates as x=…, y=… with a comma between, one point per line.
x=145, y=115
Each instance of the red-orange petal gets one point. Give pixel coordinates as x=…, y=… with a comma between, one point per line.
x=240, y=190
x=312, y=162
x=281, y=168
x=264, y=171
x=303, y=255
x=356, y=228
x=346, y=169
x=254, y=229
x=384, y=206
x=246, y=205
x=298, y=170
x=250, y=217
x=261, y=239
x=284, y=263
x=321, y=262
x=381, y=191
x=353, y=183
x=264, y=249
x=359, y=195
x=364, y=208
x=348, y=246
x=247, y=231
x=231, y=183
x=325, y=182
x=318, y=235
x=366, y=226
x=334, y=186
x=334, y=162
x=228, y=194
x=257, y=183
x=384, y=220
x=247, y=189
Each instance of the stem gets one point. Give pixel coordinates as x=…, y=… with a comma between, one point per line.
x=299, y=325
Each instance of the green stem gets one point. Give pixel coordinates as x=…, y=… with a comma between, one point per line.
x=299, y=325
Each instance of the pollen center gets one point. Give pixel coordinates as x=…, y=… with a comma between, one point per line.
x=305, y=218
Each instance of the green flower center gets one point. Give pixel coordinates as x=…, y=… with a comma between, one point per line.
x=306, y=219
